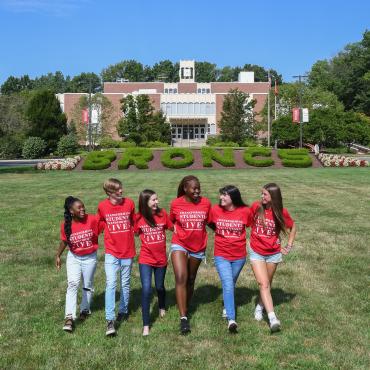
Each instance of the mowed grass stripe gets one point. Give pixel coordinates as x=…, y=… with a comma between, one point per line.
x=321, y=289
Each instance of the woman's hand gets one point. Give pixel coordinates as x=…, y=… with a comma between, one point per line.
x=286, y=250
x=58, y=263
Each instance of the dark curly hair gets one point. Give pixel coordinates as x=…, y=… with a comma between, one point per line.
x=184, y=182
x=68, y=203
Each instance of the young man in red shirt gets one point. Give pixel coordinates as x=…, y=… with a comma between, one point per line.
x=117, y=215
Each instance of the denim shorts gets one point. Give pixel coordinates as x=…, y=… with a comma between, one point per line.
x=199, y=255
x=272, y=258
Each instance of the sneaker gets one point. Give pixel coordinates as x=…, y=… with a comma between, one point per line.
x=110, y=328
x=224, y=316
x=232, y=326
x=274, y=325
x=258, y=313
x=184, y=326
x=162, y=313
x=68, y=325
x=145, y=331
x=122, y=316
x=84, y=315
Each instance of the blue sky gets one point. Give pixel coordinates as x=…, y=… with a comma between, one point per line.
x=74, y=36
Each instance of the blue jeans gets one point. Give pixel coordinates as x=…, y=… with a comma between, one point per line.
x=112, y=266
x=78, y=266
x=229, y=272
x=146, y=293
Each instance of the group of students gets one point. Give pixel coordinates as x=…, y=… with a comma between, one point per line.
x=190, y=214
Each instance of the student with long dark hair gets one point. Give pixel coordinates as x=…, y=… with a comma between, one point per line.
x=269, y=220
x=189, y=213
x=229, y=220
x=151, y=224
x=79, y=231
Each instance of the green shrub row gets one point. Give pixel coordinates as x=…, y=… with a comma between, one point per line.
x=298, y=158
x=135, y=156
x=211, y=154
x=168, y=158
x=252, y=152
x=224, y=144
x=99, y=160
x=108, y=142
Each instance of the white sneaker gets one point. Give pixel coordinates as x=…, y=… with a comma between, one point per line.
x=258, y=313
x=224, y=316
x=274, y=325
x=232, y=326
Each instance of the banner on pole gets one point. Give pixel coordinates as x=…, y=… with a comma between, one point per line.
x=85, y=116
x=295, y=113
x=305, y=117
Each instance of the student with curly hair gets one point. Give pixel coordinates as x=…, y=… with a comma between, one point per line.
x=189, y=212
x=79, y=232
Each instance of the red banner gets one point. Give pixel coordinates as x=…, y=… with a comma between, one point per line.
x=85, y=116
x=296, y=115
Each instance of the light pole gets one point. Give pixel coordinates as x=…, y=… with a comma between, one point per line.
x=300, y=77
x=89, y=123
x=268, y=109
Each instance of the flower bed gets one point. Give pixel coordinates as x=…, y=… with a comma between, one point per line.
x=333, y=160
x=59, y=164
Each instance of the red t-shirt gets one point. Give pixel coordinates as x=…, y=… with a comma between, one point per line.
x=264, y=240
x=190, y=220
x=153, y=239
x=118, y=227
x=230, y=233
x=84, y=235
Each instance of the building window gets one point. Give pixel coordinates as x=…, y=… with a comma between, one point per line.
x=202, y=108
x=175, y=91
x=166, y=91
x=173, y=108
x=196, y=108
x=208, y=108
x=179, y=109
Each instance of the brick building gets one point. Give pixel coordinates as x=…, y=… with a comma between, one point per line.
x=193, y=109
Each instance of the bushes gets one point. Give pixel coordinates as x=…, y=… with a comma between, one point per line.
x=136, y=156
x=33, y=147
x=252, y=152
x=107, y=143
x=10, y=147
x=298, y=158
x=223, y=144
x=168, y=158
x=67, y=144
x=210, y=154
x=99, y=160
x=154, y=144
x=127, y=144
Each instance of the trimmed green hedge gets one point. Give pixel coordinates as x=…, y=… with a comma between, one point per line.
x=298, y=158
x=211, y=154
x=168, y=158
x=99, y=160
x=135, y=156
x=223, y=144
x=252, y=152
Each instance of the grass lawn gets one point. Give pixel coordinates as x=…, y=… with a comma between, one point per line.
x=320, y=291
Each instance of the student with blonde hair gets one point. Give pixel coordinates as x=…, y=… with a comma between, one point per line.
x=117, y=214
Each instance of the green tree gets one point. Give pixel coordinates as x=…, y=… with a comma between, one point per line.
x=16, y=84
x=46, y=119
x=347, y=75
x=82, y=82
x=165, y=71
x=237, y=118
x=54, y=82
x=140, y=122
x=205, y=72
x=228, y=74
x=285, y=132
x=261, y=73
x=105, y=114
x=128, y=69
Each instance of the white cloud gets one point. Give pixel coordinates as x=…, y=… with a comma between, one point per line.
x=51, y=7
